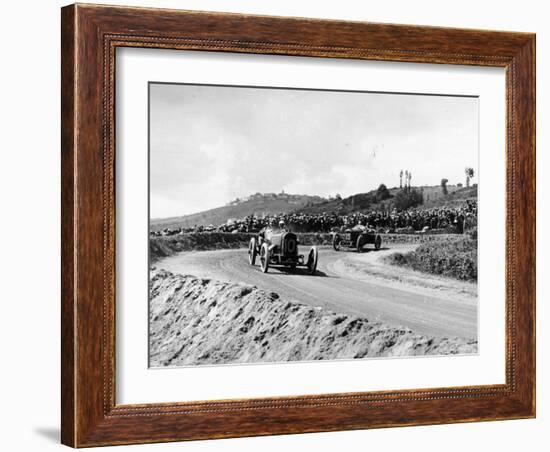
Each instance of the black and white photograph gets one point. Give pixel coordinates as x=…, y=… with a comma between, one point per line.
x=290, y=224
x=275, y=226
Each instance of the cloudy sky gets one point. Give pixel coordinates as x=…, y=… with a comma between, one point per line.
x=212, y=144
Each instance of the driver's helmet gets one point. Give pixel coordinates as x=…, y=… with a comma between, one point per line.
x=282, y=224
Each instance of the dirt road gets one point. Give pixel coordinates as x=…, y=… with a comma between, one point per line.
x=351, y=283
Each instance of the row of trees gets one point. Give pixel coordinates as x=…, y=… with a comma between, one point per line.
x=408, y=177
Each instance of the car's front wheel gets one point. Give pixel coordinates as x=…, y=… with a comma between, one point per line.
x=336, y=242
x=264, y=257
x=360, y=243
x=377, y=242
x=312, y=259
x=252, y=251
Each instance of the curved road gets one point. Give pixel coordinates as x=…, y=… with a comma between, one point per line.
x=423, y=311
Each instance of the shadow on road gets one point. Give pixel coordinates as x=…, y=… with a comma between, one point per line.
x=301, y=271
x=282, y=271
x=372, y=250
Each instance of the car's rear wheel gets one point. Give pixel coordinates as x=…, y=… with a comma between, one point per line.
x=252, y=251
x=264, y=257
x=360, y=243
x=312, y=259
x=377, y=242
x=336, y=242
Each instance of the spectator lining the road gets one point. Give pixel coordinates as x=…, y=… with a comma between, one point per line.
x=454, y=220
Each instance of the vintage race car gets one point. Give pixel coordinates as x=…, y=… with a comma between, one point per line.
x=357, y=239
x=280, y=248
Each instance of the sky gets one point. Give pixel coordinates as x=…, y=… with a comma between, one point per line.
x=212, y=144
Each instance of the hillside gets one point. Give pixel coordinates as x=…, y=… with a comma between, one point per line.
x=258, y=204
x=432, y=195
x=454, y=198
x=271, y=203
x=354, y=203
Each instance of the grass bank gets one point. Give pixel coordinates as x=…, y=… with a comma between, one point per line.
x=165, y=246
x=455, y=258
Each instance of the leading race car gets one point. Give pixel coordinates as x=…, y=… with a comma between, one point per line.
x=356, y=238
x=279, y=247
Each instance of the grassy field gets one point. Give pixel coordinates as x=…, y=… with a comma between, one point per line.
x=455, y=198
x=456, y=258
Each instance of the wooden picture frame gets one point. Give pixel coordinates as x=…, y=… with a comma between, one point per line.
x=90, y=35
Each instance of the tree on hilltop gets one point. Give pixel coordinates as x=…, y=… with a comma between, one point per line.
x=444, y=186
x=382, y=193
x=469, y=175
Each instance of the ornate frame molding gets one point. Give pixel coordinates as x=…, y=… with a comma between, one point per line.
x=90, y=37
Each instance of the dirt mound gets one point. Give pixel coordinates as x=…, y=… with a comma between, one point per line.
x=201, y=321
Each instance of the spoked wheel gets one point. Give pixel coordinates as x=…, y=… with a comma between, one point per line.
x=312, y=259
x=264, y=257
x=360, y=243
x=252, y=251
x=377, y=242
x=336, y=242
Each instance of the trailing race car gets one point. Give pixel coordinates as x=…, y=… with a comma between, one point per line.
x=280, y=247
x=355, y=238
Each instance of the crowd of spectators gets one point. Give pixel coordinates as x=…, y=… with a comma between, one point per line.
x=449, y=219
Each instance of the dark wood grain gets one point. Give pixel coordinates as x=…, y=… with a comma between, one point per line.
x=68, y=147
x=90, y=36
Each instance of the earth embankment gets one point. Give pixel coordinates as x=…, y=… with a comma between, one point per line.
x=204, y=321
